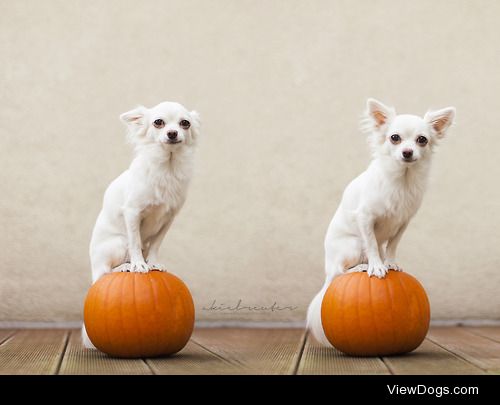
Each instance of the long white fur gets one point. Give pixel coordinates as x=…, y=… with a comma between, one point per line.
x=377, y=206
x=140, y=204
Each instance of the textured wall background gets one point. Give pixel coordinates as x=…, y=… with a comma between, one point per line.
x=280, y=86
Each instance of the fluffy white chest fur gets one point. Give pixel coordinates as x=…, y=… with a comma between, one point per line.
x=155, y=192
x=163, y=193
x=391, y=198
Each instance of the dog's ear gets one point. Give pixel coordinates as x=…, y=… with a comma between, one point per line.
x=379, y=113
x=195, y=125
x=440, y=120
x=135, y=120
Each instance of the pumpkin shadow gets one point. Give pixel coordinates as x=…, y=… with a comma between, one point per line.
x=414, y=354
x=194, y=363
x=182, y=356
x=423, y=354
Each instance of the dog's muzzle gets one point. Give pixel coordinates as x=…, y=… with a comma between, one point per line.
x=408, y=160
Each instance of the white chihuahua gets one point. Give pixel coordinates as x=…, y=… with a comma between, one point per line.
x=377, y=205
x=140, y=204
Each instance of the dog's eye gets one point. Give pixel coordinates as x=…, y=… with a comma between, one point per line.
x=159, y=123
x=395, y=138
x=422, y=140
x=184, y=124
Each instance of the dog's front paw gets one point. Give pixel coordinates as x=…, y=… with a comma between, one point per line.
x=392, y=266
x=358, y=268
x=139, y=267
x=377, y=269
x=122, y=268
x=157, y=266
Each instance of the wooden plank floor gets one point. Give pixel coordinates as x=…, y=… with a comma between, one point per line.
x=453, y=350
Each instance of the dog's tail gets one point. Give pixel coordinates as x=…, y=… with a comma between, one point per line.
x=86, y=340
x=314, y=323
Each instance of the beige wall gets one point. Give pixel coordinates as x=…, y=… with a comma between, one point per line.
x=280, y=86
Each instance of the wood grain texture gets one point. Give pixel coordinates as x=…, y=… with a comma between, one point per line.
x=79, y=360
x=33, y=352
x=478, y=350
x=193, y=359
x=254, y=351
x=251, y=351
x=430, y=358
x=318, y=359
x=490, y=332
x=5, y=334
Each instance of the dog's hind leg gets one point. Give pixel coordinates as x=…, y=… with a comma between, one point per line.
x=341, y=254
x=106, y=255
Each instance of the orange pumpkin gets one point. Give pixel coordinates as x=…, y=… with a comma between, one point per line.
x=368, y=316
x=139, y=314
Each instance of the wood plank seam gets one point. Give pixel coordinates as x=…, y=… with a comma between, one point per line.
x=149, y=361
x=63, y=353
x=81, y=361
x=151, y=369
x=233, y=362
x=431, y=359
x=194, y=359
x=320, y=359
x=478, y=333
x=32, y=352
x=298, y=357
x=8, y=337
x=457, y=355
x=255, y=351
x=388, y=366
x=148, y=366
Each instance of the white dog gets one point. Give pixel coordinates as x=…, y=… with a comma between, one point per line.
x=377, y=205
x=140, y=204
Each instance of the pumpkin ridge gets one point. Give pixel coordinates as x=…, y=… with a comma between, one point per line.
x=107, y=288
x=187, y=305
x=407, y=297
x=370, y=305
x=388, y=289
x=90, y=301
x=183, y=310
x=421, y=300
x=168, y=289
x=353, y=280
x=134, y=305
x=155, y=301
x=341, y=299
x=420, y=312
x=121, y=307
x=342, y=289
x=360, y=328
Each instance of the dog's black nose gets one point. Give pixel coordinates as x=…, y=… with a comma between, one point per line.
x=172, y=135
x=407, y=153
